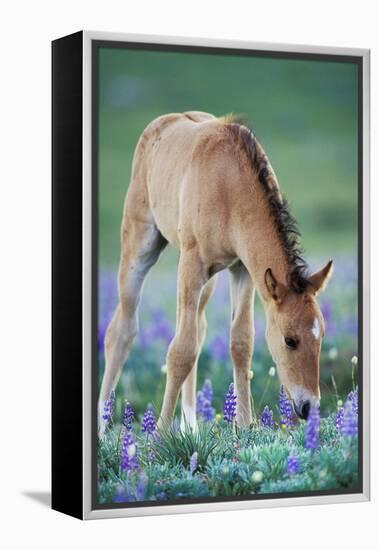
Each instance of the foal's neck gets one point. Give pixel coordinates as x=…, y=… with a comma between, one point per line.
x=260, y=248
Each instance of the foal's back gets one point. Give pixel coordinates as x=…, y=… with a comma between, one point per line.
x=184, y=171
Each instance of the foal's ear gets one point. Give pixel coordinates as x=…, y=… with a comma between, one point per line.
x=320, y=279
x=276, y=289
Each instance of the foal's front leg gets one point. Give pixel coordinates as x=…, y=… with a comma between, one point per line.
x=183, y=350
x=241, y=339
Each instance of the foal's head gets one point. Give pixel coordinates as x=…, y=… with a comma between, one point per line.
x=295, y=327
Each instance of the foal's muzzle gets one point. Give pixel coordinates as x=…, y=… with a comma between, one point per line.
x=303, y=409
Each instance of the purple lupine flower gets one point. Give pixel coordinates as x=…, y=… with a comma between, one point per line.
x=293, y=463
x=204, y=407
x=200, y=403
x=230, y=404
x=149, y=424
x=109, y=407
x=349, y=427
x=193, y=462
x=311, y=428
x=285, y=409
x=353, y=399
x=128, y=416
x=267, y=418
x=208, y=411
x=338, y=420
x=129, y=453
x=207, y=390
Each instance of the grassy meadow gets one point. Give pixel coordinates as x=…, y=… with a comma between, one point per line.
x=305, y=115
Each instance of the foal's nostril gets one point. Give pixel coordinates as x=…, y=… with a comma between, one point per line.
x=305, y=410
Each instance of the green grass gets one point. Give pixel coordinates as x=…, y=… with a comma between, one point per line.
x=232, y=462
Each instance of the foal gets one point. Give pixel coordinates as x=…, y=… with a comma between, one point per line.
x=205, y=186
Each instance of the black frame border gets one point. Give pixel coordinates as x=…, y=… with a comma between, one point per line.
x=67, y=291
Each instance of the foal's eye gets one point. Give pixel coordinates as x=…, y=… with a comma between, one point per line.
x=291, y=343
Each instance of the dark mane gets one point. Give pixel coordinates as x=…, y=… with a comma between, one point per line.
x=285, y=223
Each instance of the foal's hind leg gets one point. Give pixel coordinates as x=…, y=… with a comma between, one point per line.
x=184, y=348
x=141, y=246
x=189, y=385
x=241, y=339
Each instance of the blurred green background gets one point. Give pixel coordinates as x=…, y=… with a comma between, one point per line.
x=304, y=112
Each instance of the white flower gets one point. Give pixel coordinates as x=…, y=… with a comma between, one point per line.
x=272, y=371
x=164, y=369
x=257, y=476
x=251, y=374
x=333, y=353
x=354, y=360
x=131, y=450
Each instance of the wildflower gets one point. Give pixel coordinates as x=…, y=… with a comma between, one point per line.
x=293, y=463
x=204, y=407
x=193, y=462
x=109, y=407
x=257, y=476
x=129, y=453
x=338, y=420
x=267, y=419
x=333, y=353
x=149, y=424
x=311, y=429
x=199, y=403
x=349, y=425
x=354, y=360
x=230, y=404
x=208, y=411
x=285, y=409
x=271, y=371
x=346, y=419
x=218, y=417
x=353, y=399
x=339, y=403
x=128, y=416
x=207, y=390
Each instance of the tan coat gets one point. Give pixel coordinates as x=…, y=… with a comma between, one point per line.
x=205, y=186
